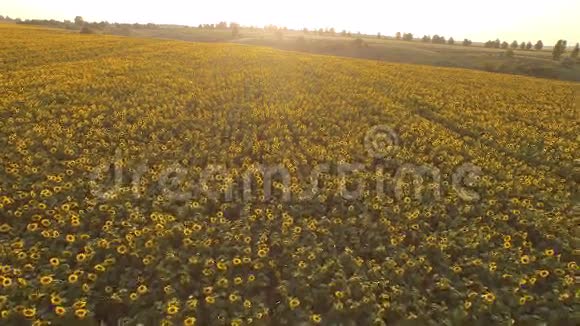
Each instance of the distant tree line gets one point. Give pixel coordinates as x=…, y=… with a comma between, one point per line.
x=7, y=19
x=84, y=27
x=80, y=24
x=436, y=39
x=497, y=44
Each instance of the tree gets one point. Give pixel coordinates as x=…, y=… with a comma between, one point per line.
x=451, y=41
x=514, y=45
x=438, y=39
x=467, y=42
x=379, y=35
x=523, y=46
x=529, y=46
x=505, y=45
x=279, y=35
x=539, y=45
x=408, y=36
x=79, y=21
x=575, y=52
x=426, y=39
x=559, y=49
x=398, y=36
x=235, y=30
x=343, y=33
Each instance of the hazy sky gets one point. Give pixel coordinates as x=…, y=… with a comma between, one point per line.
x=478, y=20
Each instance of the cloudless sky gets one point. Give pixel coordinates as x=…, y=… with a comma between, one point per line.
x=478, y=20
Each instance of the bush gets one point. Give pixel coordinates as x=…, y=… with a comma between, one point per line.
x=87, y=30
x=301, y=41
x=509, y=53
x=279, y=35
x=359, y=43
x=568, y=62
x=489, y=66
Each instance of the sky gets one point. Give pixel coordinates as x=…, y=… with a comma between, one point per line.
x=507, y=20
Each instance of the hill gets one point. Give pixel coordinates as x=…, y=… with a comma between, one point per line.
x=523, y=62
x=166, y=182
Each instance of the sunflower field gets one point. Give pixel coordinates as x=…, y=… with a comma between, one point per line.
x=132, y=188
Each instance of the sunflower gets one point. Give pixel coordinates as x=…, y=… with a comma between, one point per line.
x=142, y=289
x=81, y=313
x=293, y=303
x=316, y=318
x=59, y=310
x=525, y=259
x=81, y=257
x=72, y=278
x=46, y=280
x=233, y=297
x=489, y=297
x=29, y=312
x=172, y=309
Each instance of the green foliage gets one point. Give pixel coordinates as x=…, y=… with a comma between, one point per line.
x=279, y=35
x=529, y=46
x=79, y=21
x=438, y=39
x=568, y=62
x=235, y=30
x=575, y=52
x=359, y=43
x=86, y=29
x=559, y=49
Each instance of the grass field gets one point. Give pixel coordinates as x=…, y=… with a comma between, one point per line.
x=135, y=177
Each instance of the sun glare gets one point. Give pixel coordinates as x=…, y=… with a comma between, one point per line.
x=475, y=20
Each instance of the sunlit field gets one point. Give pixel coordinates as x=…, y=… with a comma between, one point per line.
x=164, y=182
